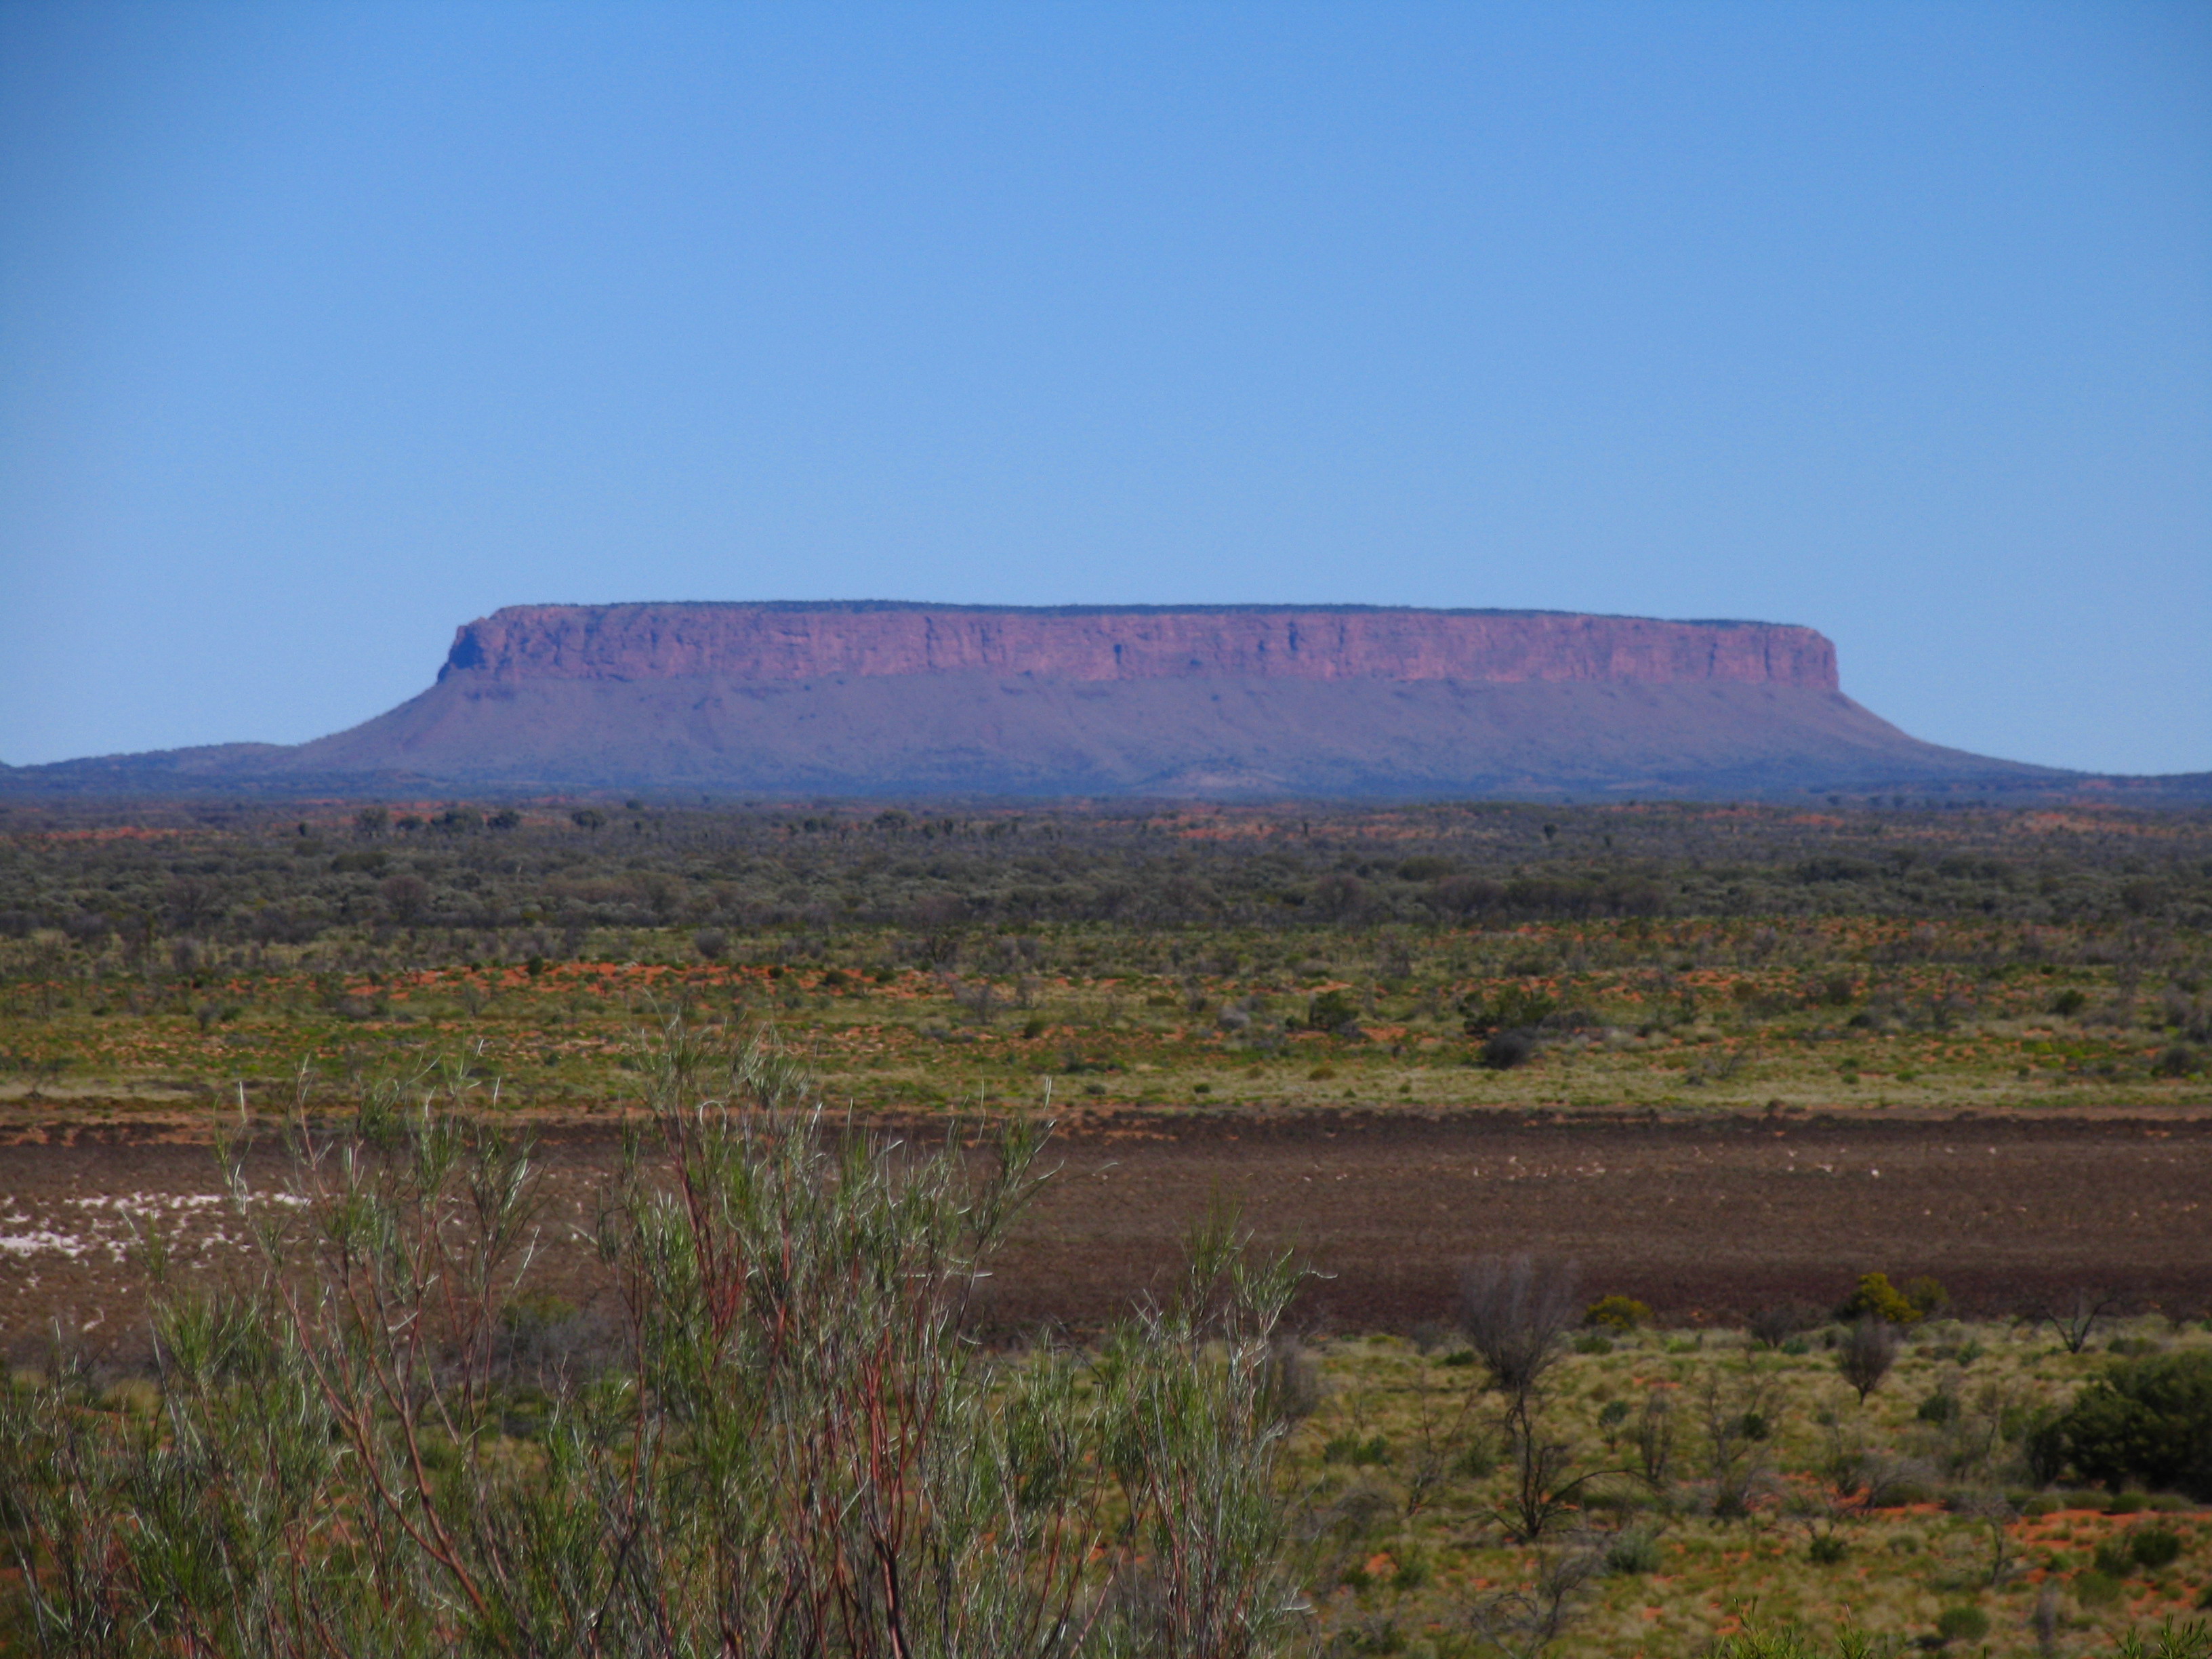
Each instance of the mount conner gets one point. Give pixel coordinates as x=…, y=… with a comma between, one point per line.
x=882, y=698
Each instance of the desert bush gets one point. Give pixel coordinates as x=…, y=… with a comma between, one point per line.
x=2146, y=1420
x=1775, y=1324
x=791, y=1447
x=1517, y=1313
x=1926, y=1296
x=2094, y=1588
x=2153, y=1547
x=1654, y=1439
x=1633, y=1554
x=1513, y=1008
x=2076, y=1319
x=1333, y=1011
x=1294, y=1382
x=1940, y=1407
x=2177, y=1060
x=1876, y=1297
x=1505, y=1050
x=1867, y=1353
x=1617, y=1313
x=1964, y=1622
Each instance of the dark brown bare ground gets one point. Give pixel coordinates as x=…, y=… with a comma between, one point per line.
x=1704, y=1221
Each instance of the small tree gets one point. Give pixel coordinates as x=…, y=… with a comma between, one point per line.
x=1517, y=1315
x=1870, y=1350
x=405, y=896
x=2074, y=1320
x=1524, y=1622
x=1734, y=1410
x=1654, y=1440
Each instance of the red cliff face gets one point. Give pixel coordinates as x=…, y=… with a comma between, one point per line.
x=792, y=641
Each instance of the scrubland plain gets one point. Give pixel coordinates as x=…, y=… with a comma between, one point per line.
x=1726, y=1060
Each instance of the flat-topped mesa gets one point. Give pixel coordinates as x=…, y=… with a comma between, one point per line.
x=786, y=642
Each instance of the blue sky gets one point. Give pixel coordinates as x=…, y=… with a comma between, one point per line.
x=325, y=328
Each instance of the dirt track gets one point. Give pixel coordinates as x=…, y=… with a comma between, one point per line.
x=1701, y=1220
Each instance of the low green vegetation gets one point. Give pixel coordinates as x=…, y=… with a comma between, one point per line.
x=1662, y=1493
x=1668, y=958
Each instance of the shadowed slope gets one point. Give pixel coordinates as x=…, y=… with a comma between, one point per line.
x=970, y=731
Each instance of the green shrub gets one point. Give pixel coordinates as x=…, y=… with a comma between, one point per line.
x=1516, y=1007
x=1361, y=1454
x=1506, y=1051
x=1332, y=1011
x=2178, y=1060
x=1619, y=1313
x=1477, y=1462
x=1827, y=1550
x=1633, y=1554
x=2154, y=1547
x=2146, y=1420
x=1876, y=1297
x=1965, y=1623
x=2097, y=1589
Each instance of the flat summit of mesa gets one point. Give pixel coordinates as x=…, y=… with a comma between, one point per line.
x=882, y=698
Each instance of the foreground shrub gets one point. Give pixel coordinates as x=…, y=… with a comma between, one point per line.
x=2146, y=1419
x=788, y=1447
x=2192, y=1640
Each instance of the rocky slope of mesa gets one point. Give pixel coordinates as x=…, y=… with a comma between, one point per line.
x=884, y=699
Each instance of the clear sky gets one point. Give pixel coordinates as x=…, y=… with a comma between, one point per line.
x=327, y=327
